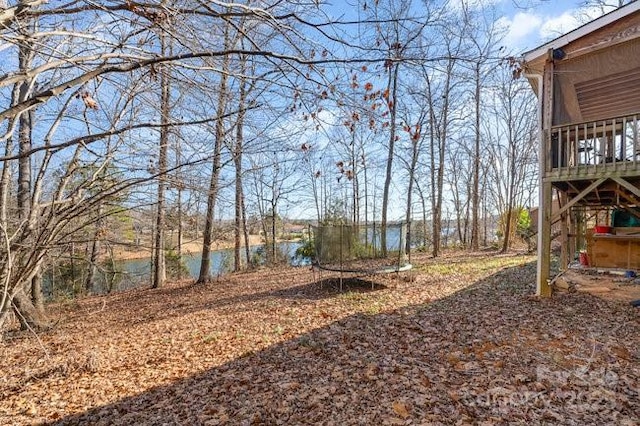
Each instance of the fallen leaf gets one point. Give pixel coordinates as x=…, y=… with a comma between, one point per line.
x=400, y=408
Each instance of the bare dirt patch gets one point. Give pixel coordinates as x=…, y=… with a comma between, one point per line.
x=610, y=285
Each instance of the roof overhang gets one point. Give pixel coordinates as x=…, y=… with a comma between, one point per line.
x=582, y=31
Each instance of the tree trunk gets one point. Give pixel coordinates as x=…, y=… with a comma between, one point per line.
x=467, y=218
x=392, y=87
x=180, y=229
x=237, y=230
x=423, y=205
x=412, y=168
x=511, y=189
x=354, y=181
x=435, y=220
x=37, y=298
x=475, y=194
x=433, y=140
x=179, y=183
x=440, y=177
x=273, y=231
x=205, y=263
x=93, y=255
x=30, y=311
x=24, y=165
x=25, y=127
x=247, y=249
x=5, y=179
x=237, y=160
x=366, y=192
x=93, y=267
x=442, y=141
x=30, y=316
x=159, y=264
x=506, y=241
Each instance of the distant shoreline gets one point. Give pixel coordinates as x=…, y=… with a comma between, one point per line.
x=189, y=248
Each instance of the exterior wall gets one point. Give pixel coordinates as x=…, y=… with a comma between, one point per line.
x=622, y=30
x=591, y=74
x=599, y=85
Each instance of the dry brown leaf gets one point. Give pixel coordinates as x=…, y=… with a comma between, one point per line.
x=275, y=347
x=400, y=408
x=621, y=352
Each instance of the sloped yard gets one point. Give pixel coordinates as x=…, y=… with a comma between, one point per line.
x=465, y=342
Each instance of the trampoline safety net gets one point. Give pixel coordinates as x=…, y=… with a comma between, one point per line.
x=355, y=248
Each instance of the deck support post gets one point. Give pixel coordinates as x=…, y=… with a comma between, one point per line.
x=573, y=235
x=580, y=230
x=564, y=232
x=544, y=241
x=545, y=120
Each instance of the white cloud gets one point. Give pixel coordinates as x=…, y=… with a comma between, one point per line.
x=519, y=29
x=527, y=29
x=569, y=20
x=556, y=26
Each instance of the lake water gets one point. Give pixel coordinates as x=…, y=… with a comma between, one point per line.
x=137, y=272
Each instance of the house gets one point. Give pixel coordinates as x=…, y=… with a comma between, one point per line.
x=588, y=87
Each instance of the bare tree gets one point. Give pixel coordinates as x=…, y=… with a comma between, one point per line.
x=440, y=98
x=512, y=147
x=86, y=52
x=591, y=9
x=398, y=38
x=159, y=260
x=205, y=268
x=482, y=36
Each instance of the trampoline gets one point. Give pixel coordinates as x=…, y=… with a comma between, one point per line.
x=366, y=249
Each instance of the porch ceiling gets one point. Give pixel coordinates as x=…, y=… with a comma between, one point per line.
x=601, y=85
x=608, y=96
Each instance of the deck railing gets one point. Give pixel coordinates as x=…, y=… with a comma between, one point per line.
x=594, y=148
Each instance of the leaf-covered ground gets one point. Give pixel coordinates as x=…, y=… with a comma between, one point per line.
x=464, y=342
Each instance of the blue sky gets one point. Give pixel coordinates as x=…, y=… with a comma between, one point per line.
x=527, y=23
x=530, y=23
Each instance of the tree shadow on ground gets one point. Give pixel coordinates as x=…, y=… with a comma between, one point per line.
x=490, y=353
x=183, y=303
x=327, y=288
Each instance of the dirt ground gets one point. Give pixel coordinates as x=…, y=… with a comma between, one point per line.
x=460, y=340
x=604, y=283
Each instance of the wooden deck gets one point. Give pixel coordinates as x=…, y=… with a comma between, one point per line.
x=597, y=162
x=594, y=149
x=613, y=190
